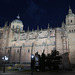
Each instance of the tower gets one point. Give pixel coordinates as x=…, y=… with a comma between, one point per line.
x=70, y=28
x=70, y=18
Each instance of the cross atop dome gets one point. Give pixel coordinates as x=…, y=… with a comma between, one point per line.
x=18, y=17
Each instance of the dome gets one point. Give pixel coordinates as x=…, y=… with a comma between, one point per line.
x=17, y=24
x=17, y=21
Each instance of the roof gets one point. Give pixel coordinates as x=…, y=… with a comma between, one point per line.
x=17, y=21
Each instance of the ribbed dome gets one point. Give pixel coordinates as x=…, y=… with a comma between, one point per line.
x=17, y=24
x=17, y=21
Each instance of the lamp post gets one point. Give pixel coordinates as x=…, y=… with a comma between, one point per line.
x=5, y=58
x=32, y=59
x=32, y=63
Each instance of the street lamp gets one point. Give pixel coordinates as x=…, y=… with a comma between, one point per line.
x=32, y=56
x=5, y=58
x=32, y=63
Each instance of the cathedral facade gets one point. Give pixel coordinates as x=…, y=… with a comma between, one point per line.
x=18, y=44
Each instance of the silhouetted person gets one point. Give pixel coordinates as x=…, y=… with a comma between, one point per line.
x=43, y=61
x=37, y=61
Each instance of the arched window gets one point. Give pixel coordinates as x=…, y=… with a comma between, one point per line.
x=71, y=21
x=13, y=26
x=70, y=31
x=17, y=26
x=8, y=51
x=28, y=50
x=50, y=31
x=18, y=51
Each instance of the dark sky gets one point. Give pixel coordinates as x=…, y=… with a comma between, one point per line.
x=35, y=13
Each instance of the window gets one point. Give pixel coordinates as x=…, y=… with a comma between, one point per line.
x=40, y=32
x=50, y=31
x=54, y=42
x=17, y=26
x=71, y=21
x=70, y=31
x=18, y=51
x=8, y=51
x=28, y=50
x=13, y=26
x=31, y=33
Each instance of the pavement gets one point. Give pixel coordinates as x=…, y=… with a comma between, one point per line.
x=39, y=73
x=14, y=73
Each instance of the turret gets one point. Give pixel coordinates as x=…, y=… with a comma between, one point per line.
x=70, y=18
x=63, y=25
x=70, y=10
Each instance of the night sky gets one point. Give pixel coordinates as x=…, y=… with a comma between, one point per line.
x=35, y=13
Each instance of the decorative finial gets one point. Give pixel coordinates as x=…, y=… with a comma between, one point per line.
x=48, y=25
x=28, y=29
x=6, y=23
x=70, y=11
x=37, y=28
x=18, y=17
x=63, y=24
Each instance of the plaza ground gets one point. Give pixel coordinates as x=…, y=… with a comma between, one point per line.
x=39, y=73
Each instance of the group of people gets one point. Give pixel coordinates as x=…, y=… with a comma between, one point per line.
x=51, y=61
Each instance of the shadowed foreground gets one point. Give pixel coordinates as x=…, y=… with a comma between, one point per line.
x=40, y=73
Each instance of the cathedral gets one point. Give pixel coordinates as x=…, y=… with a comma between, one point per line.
x=18, y=44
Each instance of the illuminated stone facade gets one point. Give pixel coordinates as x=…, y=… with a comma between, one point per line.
x=18, y=44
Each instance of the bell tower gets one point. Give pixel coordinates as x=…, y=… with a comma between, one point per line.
x=70, y=21
x=70, y=18
x=70, y=28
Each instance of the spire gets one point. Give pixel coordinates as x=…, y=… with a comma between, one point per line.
x=37, y=28
x=18, y=17
x=6, y=23
x=48, y=25
x=70, y=11
x=28, y=29
x=63, y=24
